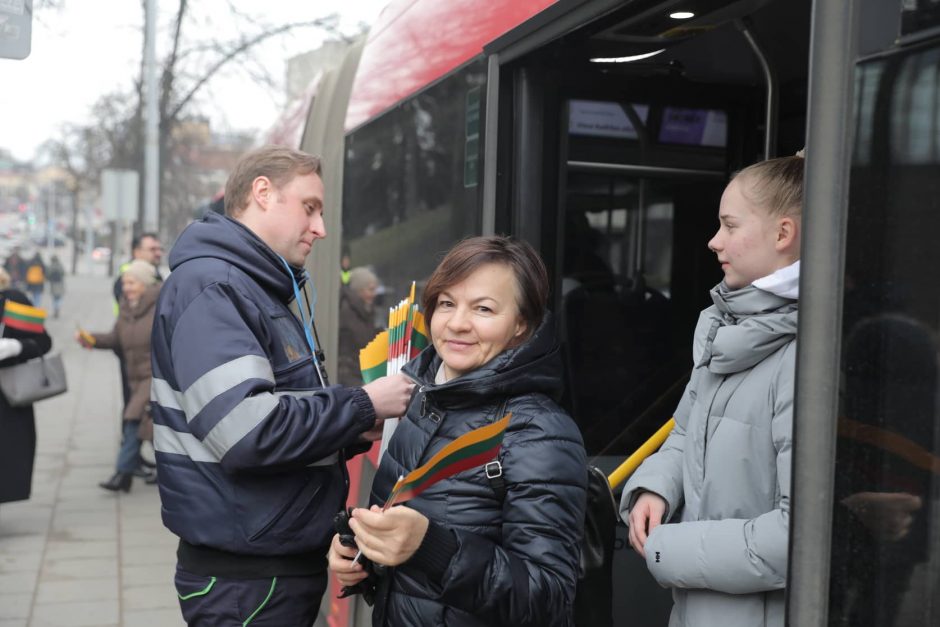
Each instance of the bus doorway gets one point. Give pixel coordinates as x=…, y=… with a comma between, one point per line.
x=616, y=142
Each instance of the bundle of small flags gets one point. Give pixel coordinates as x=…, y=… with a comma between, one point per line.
x=407, y=335
x=470, y=450
x=23, y=317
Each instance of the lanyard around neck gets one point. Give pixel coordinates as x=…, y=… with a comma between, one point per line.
x=303, y=319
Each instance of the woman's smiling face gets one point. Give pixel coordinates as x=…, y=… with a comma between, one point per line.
x=477, y=319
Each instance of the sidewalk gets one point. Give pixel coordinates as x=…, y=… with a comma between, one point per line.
x=75, y=554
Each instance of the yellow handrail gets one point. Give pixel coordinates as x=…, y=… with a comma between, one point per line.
x=649, y=447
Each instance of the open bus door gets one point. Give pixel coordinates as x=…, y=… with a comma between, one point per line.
x=614, y=171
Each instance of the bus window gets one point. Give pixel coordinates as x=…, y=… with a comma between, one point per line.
x=885, y=560
x=410, y=183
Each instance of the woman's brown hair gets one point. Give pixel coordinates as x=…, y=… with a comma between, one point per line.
x=472, y=253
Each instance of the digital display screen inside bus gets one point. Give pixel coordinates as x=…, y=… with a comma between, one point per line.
x=694, y=127
x=600, y=118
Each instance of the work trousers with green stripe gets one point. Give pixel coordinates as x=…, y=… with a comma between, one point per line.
x=272, y=601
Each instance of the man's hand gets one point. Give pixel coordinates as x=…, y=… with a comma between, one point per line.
x=375, y=433
x=646, y=515
x=10, y=348
x=390, y=395
x=340, y=559
x=887, y=515
x=390, y=537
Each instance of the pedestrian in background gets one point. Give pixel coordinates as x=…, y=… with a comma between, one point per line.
x=496, y=544
x=356, y=322
x=721, y=481
x=251, y=440
x=15, y=266
x=17, y=424
x=131, y=338
x=36, y=278
x=56, y=277
x=145, y=247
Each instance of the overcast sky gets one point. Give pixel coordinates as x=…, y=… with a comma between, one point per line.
x=89, y=48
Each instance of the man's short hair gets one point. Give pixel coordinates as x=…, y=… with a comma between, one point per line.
x=138, y=240
x=279, y=164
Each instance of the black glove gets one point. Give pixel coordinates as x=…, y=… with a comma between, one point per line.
x=347, y=538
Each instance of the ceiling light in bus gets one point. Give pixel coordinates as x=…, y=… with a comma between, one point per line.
x=682, y=15
x=636, y=57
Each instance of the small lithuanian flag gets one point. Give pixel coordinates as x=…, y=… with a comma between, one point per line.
x=373, y=359
x=470, y=450
x=419, y=334
x=23, y=317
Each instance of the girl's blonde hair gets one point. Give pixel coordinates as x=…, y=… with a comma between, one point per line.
x=775, y=184
x=4, y=279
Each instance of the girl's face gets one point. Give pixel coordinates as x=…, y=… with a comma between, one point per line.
x=748, y=240
x=476, y=319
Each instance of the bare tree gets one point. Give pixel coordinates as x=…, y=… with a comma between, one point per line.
x=83, y=151
x=186, y=70
x=191, y=62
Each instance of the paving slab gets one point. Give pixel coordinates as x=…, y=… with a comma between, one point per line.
x=74, y=554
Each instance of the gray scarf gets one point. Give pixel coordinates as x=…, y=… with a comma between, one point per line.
x=747, y=325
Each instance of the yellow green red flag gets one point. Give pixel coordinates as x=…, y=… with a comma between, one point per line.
x=470, y=450
x=372, y=358
x=419, y=334
x=23, y=317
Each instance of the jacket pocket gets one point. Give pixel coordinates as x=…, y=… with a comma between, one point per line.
x=296, y=375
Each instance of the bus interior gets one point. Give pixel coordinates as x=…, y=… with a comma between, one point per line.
x=630, y=161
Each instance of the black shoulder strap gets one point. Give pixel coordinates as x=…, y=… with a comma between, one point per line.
x=494, y=469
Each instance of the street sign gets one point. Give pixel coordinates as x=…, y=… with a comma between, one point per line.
x=16, y=28
x=120, y=191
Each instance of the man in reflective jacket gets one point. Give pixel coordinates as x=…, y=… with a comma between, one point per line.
x=250, y=438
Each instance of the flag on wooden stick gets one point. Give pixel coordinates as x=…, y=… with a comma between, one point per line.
x=470, y=450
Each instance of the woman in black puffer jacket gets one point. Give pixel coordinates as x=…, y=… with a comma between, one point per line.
x=467, y=551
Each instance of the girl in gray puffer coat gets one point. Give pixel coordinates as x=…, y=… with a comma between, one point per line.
x=722, y=479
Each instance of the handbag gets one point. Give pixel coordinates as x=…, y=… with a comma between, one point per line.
x=25, y=383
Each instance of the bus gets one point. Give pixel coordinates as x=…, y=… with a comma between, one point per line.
x=603, y=133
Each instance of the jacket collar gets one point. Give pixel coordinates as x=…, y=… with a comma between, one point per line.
x=533, y=366
x=147, y=301
x=746, y=326
x=221, y=237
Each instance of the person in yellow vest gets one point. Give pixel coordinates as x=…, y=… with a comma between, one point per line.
x=345, y=263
